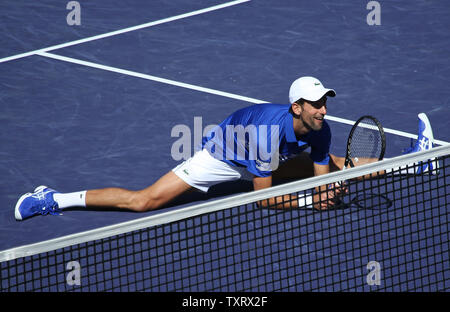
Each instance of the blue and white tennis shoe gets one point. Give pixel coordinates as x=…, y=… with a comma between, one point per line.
x=39, y=202
x=424, y=142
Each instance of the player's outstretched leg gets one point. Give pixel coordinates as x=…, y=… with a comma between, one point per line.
x=48, y=201
x=167, y=188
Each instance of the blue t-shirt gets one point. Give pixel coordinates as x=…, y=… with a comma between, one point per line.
x=261, y=136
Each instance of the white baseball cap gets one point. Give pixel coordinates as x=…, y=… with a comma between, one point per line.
x=308, y=88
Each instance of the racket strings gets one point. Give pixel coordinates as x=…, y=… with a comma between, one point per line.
x=367, y=141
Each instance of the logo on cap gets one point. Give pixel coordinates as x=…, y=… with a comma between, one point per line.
x=317, y=83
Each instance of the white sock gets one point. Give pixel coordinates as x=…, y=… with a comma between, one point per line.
x=76, y=199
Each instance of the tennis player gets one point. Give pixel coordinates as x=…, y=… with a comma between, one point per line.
x=261, y=143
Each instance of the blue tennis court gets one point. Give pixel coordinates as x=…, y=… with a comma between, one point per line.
x=94, y=105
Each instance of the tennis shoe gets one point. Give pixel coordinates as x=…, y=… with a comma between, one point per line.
x=39, y=202
x=424, y=142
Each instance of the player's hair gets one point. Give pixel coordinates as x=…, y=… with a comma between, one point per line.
x=300, y=101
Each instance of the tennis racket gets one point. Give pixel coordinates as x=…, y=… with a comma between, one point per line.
x=366, y=143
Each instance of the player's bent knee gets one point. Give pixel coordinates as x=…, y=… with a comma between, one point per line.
x=142, y=203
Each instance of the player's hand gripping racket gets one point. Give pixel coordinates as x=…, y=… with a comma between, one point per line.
x=366, y=144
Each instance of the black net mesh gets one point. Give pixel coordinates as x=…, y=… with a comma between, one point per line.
x=364, y=243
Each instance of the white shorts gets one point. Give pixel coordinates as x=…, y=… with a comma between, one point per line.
x=203, y=171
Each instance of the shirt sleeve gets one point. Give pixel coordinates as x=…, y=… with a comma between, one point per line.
x=259, y=168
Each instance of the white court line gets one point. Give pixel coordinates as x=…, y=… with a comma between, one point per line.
x=149, y=77
x=121, y=31
x=205, y=90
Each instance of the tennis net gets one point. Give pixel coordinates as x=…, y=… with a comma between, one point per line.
x=389, y=233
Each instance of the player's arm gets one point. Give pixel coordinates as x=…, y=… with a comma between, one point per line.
x=320, y=197
x=325, y=196
x=279, y=202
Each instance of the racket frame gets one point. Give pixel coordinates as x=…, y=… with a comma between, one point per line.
x=348, y=161
x=348, y=156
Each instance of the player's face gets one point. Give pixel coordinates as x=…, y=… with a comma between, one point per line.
x=313, y=113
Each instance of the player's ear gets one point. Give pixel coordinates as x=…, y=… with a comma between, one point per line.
x=297, y=108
